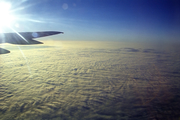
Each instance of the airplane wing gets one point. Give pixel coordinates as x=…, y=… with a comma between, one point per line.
x=23, y=38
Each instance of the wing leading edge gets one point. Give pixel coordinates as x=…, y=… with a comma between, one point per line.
x=24, y=38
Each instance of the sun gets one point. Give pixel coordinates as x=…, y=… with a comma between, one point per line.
x=5, y=14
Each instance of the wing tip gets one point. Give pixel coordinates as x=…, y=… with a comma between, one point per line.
x=4, y=51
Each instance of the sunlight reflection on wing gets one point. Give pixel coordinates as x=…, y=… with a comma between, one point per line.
x=20, y=35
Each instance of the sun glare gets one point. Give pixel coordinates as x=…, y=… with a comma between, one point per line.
x=5, y=17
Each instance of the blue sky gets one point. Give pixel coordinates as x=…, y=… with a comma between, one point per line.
x=131, y=20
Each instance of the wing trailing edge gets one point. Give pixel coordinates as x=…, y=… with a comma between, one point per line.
x=25, y=38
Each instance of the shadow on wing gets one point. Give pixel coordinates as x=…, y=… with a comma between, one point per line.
x=20, y=41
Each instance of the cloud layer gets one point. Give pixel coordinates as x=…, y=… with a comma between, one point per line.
x=89, y=80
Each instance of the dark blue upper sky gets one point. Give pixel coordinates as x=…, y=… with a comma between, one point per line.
x=101, y=19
